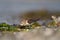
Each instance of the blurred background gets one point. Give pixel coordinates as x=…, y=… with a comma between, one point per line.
x=8, y=8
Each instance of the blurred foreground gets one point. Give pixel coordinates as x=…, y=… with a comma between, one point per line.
x=42, y=33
